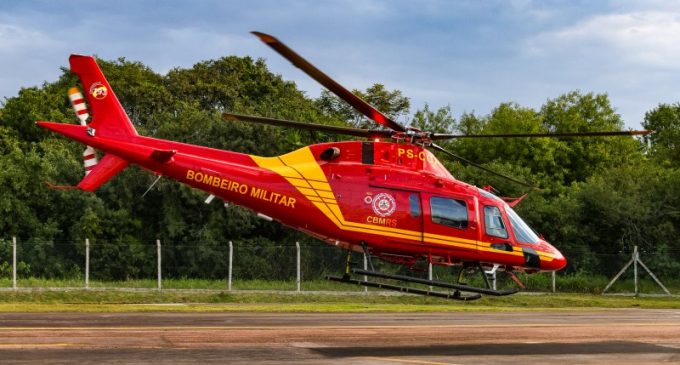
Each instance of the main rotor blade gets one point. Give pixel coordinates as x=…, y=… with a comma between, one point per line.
x=466, y=161
x=344, y=94
x=441, y=136
x=358, y=132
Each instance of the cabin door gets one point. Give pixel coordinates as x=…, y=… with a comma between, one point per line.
x=450, y=220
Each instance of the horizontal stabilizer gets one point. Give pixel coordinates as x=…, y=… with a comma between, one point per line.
x=108, y=167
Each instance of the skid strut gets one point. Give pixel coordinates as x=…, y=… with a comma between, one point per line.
x=441, y=284
x=455, y=295
x=457, y=288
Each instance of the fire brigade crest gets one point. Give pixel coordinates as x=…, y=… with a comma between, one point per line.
x=384, y=205
x=98, y=90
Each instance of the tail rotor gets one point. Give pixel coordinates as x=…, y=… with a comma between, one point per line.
x=80, y=108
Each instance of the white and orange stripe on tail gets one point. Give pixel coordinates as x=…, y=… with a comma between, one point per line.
x=79, y=106
x=89, y=159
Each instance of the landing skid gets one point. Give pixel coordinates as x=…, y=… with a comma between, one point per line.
x=455, y=295
x=441, y=284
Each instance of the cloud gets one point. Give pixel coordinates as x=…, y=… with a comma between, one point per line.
x=470, y=54
x=15, y=38
x=25, y=54
x=645, y=38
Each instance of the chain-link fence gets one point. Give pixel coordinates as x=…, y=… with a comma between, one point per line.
x=247, y=265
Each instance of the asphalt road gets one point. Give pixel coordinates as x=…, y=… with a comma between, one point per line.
x=630, y=336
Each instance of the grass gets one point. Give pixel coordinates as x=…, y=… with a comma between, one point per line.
x=188, y=295
x=189, y=301
x=310, y=285
x=593, y=284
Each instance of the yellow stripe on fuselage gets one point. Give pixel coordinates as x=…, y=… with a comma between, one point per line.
x=302, y=171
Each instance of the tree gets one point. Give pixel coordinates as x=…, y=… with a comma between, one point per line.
x=553, y=163
x=184, y=105
x=581, y=157
x=440, y=121
x=391, y=103
x=140, y=90
x=536, y=156
x=664, y=120
x=622, y=207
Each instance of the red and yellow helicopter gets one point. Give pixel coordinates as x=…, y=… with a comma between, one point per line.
x=387, y=196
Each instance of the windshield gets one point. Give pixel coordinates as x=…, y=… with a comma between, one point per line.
x=523, y=233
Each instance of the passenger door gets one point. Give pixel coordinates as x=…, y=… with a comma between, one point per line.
x=450, y=220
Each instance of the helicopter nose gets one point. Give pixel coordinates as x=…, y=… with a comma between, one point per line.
x=558, y=261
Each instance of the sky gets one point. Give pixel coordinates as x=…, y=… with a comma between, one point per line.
x=470, y=55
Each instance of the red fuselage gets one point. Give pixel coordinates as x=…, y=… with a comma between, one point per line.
x=396, y=198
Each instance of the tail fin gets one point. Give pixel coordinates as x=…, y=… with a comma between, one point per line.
x=108, y=116
x=108, y=120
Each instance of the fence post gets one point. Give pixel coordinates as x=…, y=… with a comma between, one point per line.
x=553, y=281
x=636, y=257
x=365, y=268
x=87, y=263
x=297, y=281
x=158, y=254
x=231, y=256
x=14, y=262
x=429, y=273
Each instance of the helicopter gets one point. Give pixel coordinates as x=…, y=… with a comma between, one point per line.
x=385, y=195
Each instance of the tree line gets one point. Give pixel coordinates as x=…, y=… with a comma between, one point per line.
x=598, y=197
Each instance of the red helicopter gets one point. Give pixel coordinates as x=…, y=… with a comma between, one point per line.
x=386, y=196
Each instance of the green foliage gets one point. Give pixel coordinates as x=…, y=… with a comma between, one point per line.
x=440, y=121
x=391, y=103
x=629, y=205
x=575, y=112
x=552, y=162
x=184, y=105
x=664, y=120
x=140, y=90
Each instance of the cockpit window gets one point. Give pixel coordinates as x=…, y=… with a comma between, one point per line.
x=449, y=212
x=523, y=233
x=493, y=221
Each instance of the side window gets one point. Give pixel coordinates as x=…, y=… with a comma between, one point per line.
x=493, y=220
x=449, y=212
x=414, y=205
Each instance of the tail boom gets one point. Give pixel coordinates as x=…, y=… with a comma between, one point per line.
x=168, y=158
